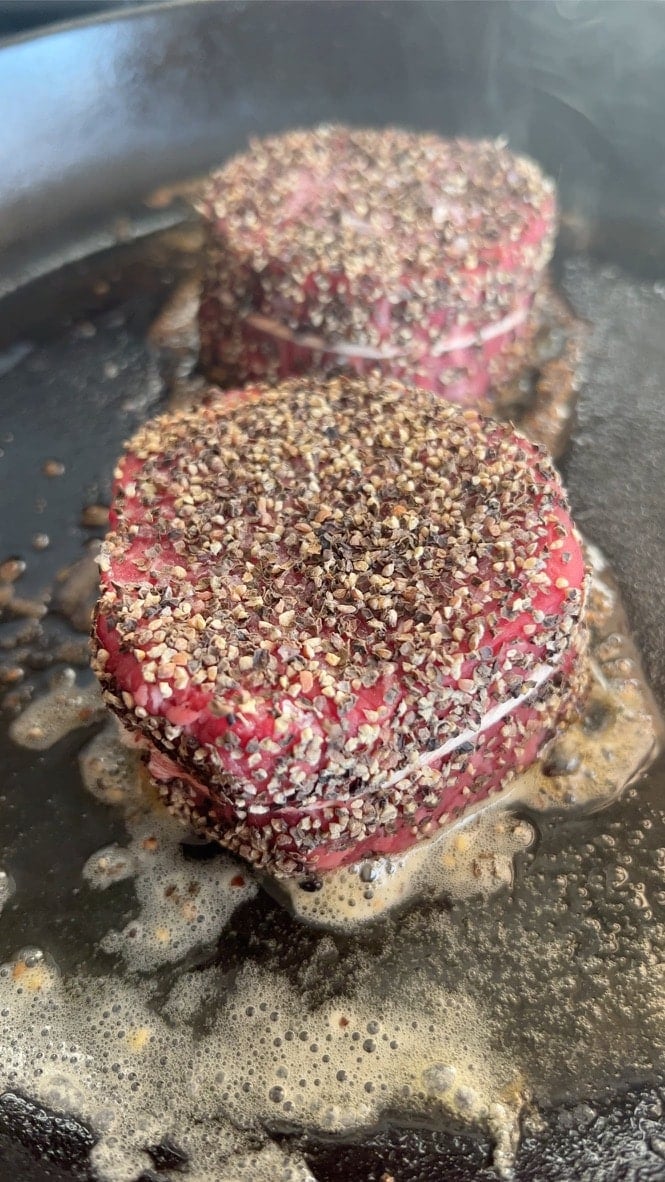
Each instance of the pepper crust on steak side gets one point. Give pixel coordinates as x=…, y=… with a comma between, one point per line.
x=346, y=249
x=336, y=615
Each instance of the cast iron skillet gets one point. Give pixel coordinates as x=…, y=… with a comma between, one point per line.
x=94, y=116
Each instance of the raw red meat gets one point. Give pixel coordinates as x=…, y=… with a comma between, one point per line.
x=339, y=249
x=337, y=614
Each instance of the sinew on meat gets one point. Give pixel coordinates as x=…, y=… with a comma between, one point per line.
x=339, y=249
x=336, y=615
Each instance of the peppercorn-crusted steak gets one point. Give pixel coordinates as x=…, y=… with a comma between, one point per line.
x=337, y=614
x=338, y=248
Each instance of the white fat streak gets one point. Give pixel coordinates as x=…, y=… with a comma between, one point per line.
x=305, y=340
x=538, y=678
x=482, y=335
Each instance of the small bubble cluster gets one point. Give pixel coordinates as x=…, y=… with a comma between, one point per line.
x=474, y=857
x=182, y=905
x=52, y=715
x=339, y=1065
x=7, y=888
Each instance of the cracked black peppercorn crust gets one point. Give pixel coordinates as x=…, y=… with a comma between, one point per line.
x=337, y=614
x=339, y=248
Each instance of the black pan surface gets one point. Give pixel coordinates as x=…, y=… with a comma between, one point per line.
x=159, y=96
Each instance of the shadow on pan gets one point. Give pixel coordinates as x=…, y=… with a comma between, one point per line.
x=159, y=95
